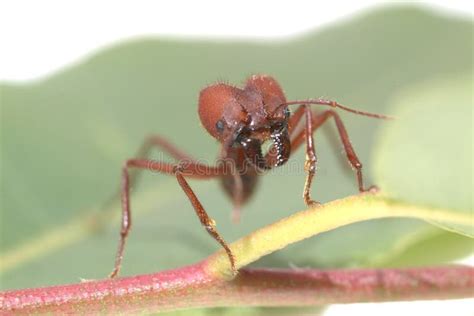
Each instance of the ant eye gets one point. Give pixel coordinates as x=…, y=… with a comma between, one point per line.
x=287, y=113
x=220, y=126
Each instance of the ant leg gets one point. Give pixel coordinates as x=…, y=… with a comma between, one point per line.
x=295, y=118
x=160, y=142
x=126, y=220
x=238, y=196
x=311, y=160
x=148, y=144
x=194, y=170
x=318, y=120
x=206, y=221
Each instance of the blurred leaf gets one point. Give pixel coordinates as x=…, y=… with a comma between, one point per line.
x=425, y=156
x=64, y=139
x=251, y=311
x=426, y=250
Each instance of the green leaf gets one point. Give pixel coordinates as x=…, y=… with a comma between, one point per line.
x=64, y=140
x=425, y=156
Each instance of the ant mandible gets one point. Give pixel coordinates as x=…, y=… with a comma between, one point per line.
x=242, y=120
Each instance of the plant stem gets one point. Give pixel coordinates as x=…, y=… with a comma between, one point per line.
x=210, y=283
x=192, y=287
x=332, y=215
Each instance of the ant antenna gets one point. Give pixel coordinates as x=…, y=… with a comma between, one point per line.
x=334, y=104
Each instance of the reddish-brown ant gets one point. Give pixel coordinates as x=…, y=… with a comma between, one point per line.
x=242, y=120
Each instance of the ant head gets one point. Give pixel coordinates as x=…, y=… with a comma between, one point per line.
x=248, y=117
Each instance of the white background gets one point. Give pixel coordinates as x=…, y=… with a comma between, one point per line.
x=39, y=37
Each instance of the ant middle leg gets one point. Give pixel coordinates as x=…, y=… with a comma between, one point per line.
x=150, y=142
x=160, y=142
x=194, y=170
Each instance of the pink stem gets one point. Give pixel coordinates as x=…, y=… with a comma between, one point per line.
x=192, y=287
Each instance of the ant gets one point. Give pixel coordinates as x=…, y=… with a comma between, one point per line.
x=242, y=119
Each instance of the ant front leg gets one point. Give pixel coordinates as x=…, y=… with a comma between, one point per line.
x=311, y=160
x=206, y=221
x=317, y=121
x=194, y=170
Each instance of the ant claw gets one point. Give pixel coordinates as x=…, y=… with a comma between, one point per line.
x=371, y=189
x=113, y=274
x=312, y=203
x=234, y=271
x=236, y=215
